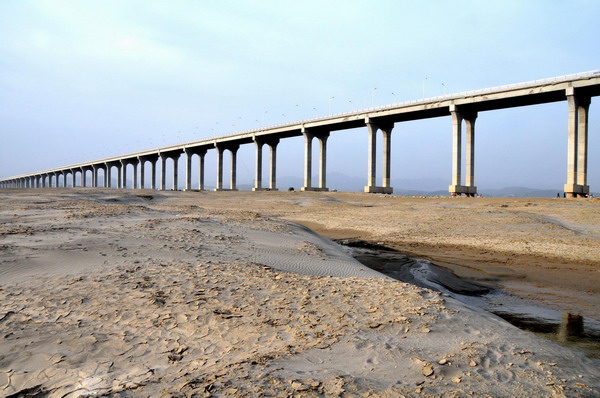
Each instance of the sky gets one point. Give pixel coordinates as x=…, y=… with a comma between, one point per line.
x=83, y=79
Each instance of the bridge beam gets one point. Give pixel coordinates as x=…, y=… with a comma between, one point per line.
x=386, y=130
x=577, y=145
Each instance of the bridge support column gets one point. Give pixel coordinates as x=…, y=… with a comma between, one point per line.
x=272, y=143
x=107, y=176
x=123, y=173
x=273, y=170
x=386, y=130
x=577, y=145
x=175, y=171
x=119, y=176
x=135, y=175
x=94, y=177
x=258, y=170
x=219, y=186
x=153, y=173
x=201, y=170
x=457, y=189
x=233, y=173
x=163, y=172
x=83, y=177
x=142, y=163
x=323, y=162
x=64, y=174
x=308, y=137
x=188, y=169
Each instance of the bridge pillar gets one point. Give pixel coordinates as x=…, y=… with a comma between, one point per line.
x=457, y=189
x=108, y=175
x=95, y=176
x=175, y=171
x=577, y=145
x=188, y=169
x=123, y=182
x=201, y=155
x=119, y=175
x=83, y=179
x=163, y=172
x=272, y=143
x=233, y=173
x=233, y=148
x=386, y=130
x=64, y=174
x=273, y=171
x=323, y=162
x=142, y=163
x=135, y=175
x=308, y=137
x=258, y=170
x=153, y=173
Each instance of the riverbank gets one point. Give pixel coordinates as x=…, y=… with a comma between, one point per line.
x=181, y=293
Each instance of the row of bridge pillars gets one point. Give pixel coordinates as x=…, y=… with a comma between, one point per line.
x=577, y=152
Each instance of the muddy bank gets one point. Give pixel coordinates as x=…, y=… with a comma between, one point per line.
x=568, y=329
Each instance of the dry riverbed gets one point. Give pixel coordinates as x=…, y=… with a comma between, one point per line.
x=218, y=294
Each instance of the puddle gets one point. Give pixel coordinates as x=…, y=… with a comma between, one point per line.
x=570, y=330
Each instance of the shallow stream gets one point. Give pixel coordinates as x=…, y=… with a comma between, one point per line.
x=567, y=329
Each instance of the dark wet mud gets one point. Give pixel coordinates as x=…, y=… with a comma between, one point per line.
x=570, y=330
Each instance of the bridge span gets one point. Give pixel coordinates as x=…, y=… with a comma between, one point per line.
x=577, y=90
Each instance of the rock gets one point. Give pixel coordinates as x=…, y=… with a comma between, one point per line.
x=472, y=364
x=298, y=386
x=427, y=370
x=456, y=379
x=443, y=361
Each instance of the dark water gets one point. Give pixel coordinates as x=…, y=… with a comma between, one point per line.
x=570, y=330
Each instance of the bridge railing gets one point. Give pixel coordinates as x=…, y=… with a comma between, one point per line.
x=405, y=103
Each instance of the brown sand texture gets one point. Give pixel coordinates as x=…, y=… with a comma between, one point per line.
x=146, y=294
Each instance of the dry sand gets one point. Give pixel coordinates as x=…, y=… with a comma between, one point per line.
x=215, y=294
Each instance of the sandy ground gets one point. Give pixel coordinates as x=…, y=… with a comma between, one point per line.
x=544, y=249
x=218, y=294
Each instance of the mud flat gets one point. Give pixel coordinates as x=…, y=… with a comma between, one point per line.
x=213, y=294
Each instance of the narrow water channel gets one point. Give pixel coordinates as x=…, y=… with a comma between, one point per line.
x=567, y=329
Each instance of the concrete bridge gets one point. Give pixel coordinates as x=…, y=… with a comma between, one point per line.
x=576, y=89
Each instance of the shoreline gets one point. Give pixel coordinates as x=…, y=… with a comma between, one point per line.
x=569, y=293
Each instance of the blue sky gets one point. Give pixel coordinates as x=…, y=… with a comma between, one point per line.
x=83, y=80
